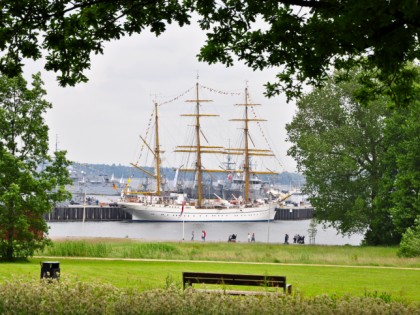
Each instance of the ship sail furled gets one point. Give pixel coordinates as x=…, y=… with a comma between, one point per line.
x=156, y=154
x=198, y=148
x=246, y=151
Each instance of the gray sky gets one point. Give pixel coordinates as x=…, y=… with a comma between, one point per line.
x=100, y=121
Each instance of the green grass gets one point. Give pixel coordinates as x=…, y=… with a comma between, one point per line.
x=312, y=270
x=257, y=252
x=401, y=284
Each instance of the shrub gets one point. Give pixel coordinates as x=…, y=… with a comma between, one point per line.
x=43, y=297
x=410, y=242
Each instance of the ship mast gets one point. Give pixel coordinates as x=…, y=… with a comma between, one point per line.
x=246, y=134
x=156, y=153
x=198, y=148
x=246, y=151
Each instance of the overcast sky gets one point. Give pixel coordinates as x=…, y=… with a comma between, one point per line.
x=100, y=121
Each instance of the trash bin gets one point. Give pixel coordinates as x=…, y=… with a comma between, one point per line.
x=50, y=269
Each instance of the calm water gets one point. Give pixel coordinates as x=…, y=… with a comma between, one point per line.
x=272, y=232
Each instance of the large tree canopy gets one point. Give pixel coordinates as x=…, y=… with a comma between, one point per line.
x=400, y=189
x=337, y=146
x=361, y=162
x=70, y=31
x=30, y=180
x=303, y=38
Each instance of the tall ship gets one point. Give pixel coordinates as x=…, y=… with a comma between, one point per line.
x=204, y=206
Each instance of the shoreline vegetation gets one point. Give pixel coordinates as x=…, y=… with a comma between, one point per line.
x=347, y=255
x=136, y=277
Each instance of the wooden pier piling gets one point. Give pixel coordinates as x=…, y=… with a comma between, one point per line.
x=294, y=213
x=87, y=214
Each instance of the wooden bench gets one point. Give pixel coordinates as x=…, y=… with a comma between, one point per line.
x=189, y=278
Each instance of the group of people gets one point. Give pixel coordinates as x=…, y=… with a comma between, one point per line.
x=203, y=235
x=251, y=238
x=232, y=237
x=297, y=239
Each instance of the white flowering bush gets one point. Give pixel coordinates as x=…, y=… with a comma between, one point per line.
x=62, y=297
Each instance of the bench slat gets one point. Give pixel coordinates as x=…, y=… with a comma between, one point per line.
x=235, y=292
x=235, y=279
x=262, y=282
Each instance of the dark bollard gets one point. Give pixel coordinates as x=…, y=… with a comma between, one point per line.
x=50, y=269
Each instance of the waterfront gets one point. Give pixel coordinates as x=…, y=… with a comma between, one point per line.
x=272, y=232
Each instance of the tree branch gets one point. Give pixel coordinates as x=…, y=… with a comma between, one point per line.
x=307, y=3
x=96, y=2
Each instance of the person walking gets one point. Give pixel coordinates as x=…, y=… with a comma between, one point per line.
x=203, y=235
x=249, y=237
x=192, y=236
x=253, y=238
x=286, y=239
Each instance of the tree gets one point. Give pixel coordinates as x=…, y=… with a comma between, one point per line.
x=337, y=144
x=30, y=180
x=410, y=243
x=70, y=31
x=400, y=189
x=312, y=230
x=304, y=38
x=307, y=38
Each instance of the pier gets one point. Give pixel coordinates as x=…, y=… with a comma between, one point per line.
x=90, y=213
x=288, y=213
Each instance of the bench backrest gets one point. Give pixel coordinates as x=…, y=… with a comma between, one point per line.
x=233, y=279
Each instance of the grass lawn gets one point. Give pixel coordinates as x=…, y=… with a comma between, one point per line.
x=245, y=252
x=400, y=284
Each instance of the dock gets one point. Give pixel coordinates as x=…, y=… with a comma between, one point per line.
x=90, y=213
x=292, y=213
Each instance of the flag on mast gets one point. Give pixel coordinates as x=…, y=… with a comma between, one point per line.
x=182, y=208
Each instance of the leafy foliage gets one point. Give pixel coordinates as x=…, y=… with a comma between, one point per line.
x=403, y=139
x=304, y=39
x=410, y=243
x=337, y=145
x=307, y=38
x=93, y=298
x=361, y=162
x=400, y=177
x=70, y=31
x=26, y=192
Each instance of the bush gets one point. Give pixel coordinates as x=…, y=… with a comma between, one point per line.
x=410, y=242
x=43, y=297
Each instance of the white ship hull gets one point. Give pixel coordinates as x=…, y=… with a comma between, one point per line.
x=188, y=213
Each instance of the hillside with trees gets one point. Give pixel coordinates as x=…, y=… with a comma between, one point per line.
x=121, y=171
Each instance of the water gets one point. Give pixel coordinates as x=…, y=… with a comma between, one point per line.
x=272, y=232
